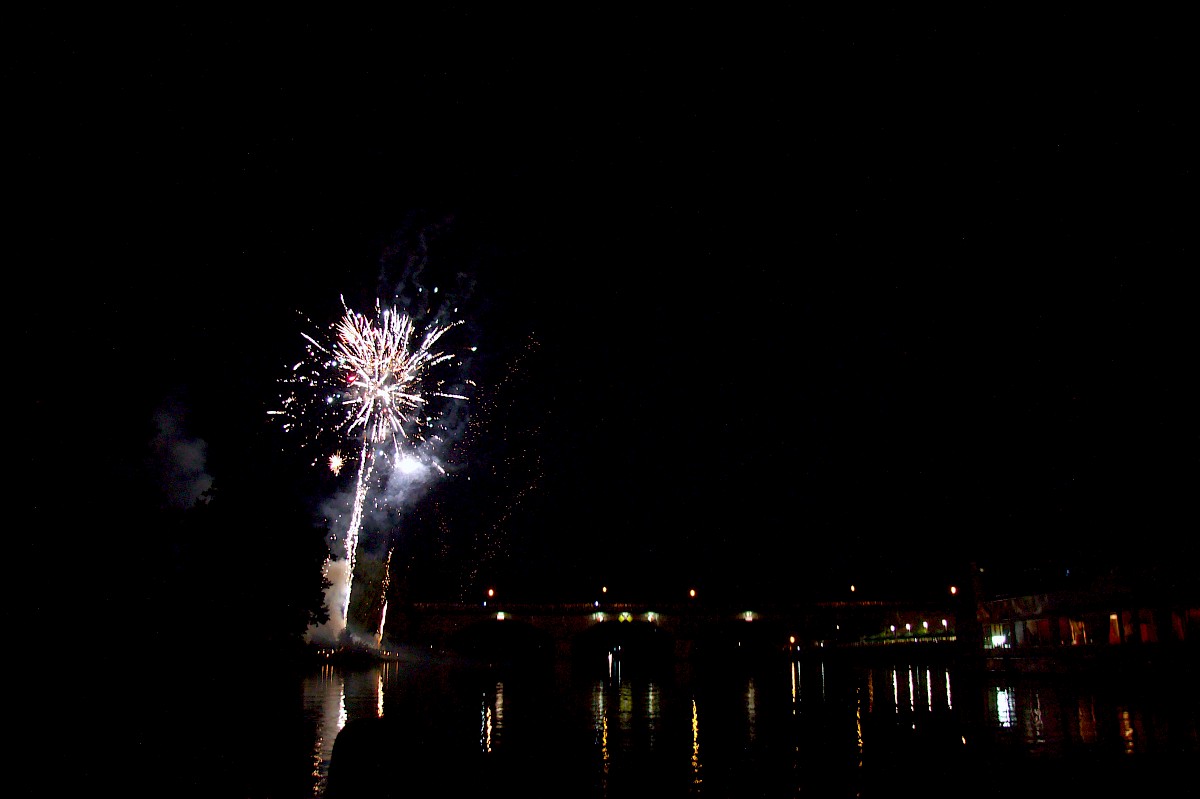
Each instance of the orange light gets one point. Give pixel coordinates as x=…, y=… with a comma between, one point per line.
x=692, y=592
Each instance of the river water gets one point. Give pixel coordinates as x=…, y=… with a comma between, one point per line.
x=417, y=726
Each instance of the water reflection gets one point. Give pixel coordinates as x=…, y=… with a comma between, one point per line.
x=626, y=715
x=751, y=710
x=779, y=729
x=332, y=696
x=491, y=717
x=697, y=768
x=1063, y=718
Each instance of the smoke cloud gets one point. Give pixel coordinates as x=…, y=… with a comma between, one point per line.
x=178, y=460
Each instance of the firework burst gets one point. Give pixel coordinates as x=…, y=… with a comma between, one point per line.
x=370, y=380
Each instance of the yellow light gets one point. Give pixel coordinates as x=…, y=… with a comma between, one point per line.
x=491, y=592
x=852, y=589
x=692, y=592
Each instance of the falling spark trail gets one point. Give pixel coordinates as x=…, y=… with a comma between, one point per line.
x=387, y=580
x=360, y=495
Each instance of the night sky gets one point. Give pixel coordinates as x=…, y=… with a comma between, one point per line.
x=759, y=302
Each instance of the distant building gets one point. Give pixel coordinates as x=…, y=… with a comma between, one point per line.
x=1115, y=619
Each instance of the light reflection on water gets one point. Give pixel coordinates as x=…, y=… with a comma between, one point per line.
x=723, y=729
x=332, y=696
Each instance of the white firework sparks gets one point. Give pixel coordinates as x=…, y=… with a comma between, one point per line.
x=384, y=373
x=371, y=382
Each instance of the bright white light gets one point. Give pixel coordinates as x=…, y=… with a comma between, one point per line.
x=1005, y=708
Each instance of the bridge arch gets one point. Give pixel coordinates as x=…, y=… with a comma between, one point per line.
x=496, y=640
x=642, y=641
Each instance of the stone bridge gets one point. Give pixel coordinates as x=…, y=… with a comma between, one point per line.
x=495, y=630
